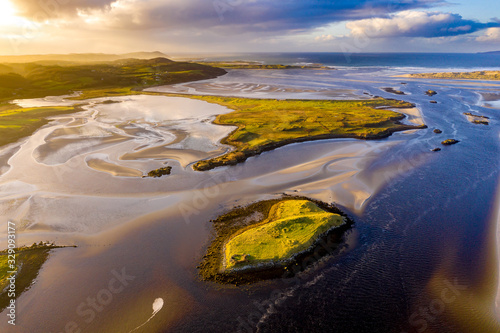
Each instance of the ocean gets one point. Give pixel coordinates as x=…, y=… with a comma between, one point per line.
x=422, y=60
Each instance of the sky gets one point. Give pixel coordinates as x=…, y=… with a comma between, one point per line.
x=227, y=26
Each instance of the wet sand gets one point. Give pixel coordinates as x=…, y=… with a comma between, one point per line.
x=231, y=85
x=411, y=206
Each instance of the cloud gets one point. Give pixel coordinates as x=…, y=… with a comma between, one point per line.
x=491, y=35
x=417, y=24
x=228, y=15
x=325, y=38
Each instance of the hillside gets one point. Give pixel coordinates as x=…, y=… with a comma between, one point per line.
x=79, y=57
x=30, y=80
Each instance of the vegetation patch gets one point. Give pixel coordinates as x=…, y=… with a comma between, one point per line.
x=477, y=75
x=92, y=80
x=114, y=78
x=477, y=119
x=449, y=142
x=271, y=239
x=160, y=172
x=16, y=123
x=265, y=124
x=29, y=261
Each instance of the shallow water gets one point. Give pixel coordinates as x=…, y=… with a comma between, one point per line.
x=423, y=219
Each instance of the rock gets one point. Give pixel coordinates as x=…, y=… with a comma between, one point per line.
x=160, y=172
x=449, y=142
x=436, y=149
x=393, y=91
x=433, y=102
x=430, y=92
x=437, y=131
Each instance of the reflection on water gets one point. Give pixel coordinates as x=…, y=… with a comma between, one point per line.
x=423, y=219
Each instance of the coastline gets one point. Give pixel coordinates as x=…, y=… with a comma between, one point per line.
x=271, y=146
x=238, y=219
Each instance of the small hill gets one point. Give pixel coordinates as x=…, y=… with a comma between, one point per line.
x=79, y=57
x=29, y=80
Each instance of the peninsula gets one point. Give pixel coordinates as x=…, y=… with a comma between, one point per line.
x=27, y=262
x=477, y=75
x=265, y=124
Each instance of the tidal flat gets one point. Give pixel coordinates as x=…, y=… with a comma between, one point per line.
x=410, y=206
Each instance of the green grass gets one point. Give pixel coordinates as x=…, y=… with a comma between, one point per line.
x=240, y=219
x=265, y=124
x=478, y=75
x=117, y=78
x=106, y=92
x=29, y=261
x=32, y=80
x=292, y=227
x=16, y=123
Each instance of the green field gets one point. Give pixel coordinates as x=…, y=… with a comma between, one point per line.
x=478, y=75
x=40, y=79
x=116, y=78
x=264, y=124
x=291, y=227
x=29, y=261
x=17, y=123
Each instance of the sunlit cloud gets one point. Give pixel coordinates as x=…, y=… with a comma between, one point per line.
x=491, y=35
x=416, y=24
x=220, y=25
x=324, y=38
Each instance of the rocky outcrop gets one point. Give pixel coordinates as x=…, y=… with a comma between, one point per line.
x=449, y=142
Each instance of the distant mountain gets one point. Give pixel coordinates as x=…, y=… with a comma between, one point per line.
x=80, y=57
x=491, y=52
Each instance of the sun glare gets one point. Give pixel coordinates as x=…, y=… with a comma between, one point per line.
x=8, y=13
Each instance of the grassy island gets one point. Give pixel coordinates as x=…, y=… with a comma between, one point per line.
x=272, y=238
x=291, y=227
x=265, y=124
x=478, y=75
x=28, y=262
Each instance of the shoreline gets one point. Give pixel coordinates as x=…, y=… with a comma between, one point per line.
x=271, y=146
x=236, y=220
